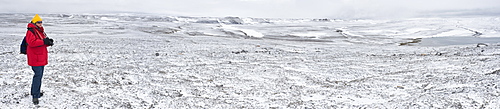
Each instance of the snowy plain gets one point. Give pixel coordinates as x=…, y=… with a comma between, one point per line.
x=152, y=61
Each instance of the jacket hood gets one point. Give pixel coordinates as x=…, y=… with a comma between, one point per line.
x=31, y=25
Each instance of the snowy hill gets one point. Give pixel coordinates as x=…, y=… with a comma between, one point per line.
x=144, y=61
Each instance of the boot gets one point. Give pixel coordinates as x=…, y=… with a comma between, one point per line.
x=35, y=101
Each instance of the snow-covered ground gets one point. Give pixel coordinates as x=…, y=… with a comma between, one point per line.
x=147, y=61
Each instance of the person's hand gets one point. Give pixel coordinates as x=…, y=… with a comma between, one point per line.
x=48, y=41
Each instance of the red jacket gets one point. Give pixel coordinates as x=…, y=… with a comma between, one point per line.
x=36, y=51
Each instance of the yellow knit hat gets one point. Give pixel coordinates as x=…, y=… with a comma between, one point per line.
x=36, y=19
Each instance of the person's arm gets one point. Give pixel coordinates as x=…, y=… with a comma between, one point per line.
x=32, y=40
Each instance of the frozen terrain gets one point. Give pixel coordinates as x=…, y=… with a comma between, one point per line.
x=150, y=61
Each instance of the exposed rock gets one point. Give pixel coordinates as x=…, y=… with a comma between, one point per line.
x=481, y=45
x=211, y=21
x=400, y=87
x=238, y=52
x=322, y=20
x=233, y=20
x=494, y=72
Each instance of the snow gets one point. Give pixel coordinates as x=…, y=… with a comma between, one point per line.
x=454, y=33
x=246, y=32
x=110, y=19
x=135, y=61
x=310, y=34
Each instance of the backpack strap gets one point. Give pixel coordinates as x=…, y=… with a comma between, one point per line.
x=24, y=44
x=34, y=33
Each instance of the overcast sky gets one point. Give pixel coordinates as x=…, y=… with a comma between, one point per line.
x=257, y=8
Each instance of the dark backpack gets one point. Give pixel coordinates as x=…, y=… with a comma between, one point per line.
x=24, y=44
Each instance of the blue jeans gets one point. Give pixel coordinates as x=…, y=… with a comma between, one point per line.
x=37, y=81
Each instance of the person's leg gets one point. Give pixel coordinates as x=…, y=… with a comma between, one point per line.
x=37, y=81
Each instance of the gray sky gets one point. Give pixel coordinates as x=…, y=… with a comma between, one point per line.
x=258, y=8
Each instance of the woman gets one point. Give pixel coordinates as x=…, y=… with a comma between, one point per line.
x=37, y=53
